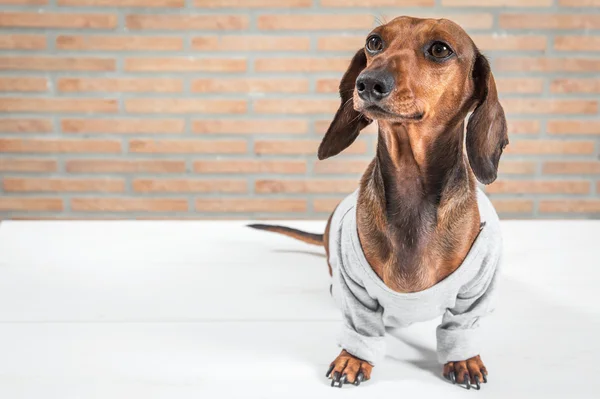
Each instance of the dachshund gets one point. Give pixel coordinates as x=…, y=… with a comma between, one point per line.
x=418, y=239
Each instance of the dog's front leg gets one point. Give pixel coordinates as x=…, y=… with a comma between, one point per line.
x=470, y=371
x=348, y=369
x=362, y=334
x=457, y=335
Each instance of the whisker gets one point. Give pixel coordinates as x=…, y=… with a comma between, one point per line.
x=380, y=19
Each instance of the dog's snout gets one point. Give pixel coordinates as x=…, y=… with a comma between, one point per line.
x=373, y=86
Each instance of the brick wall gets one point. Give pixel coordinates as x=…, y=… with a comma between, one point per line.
x=205, y=109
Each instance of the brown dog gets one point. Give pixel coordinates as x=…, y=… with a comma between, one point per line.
x=417, y=212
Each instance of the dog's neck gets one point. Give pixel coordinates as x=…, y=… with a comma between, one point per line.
x=421, y=189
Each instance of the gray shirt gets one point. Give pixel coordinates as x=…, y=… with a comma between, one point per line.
x=369, y=306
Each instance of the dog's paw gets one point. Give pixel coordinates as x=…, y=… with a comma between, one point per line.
x=467, y=372
x=348, y=369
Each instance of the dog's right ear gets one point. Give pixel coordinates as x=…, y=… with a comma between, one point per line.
x=347, y=122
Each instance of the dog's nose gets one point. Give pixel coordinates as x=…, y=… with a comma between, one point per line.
x=373, y=86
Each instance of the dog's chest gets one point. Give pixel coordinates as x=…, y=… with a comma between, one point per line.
x=403, y=310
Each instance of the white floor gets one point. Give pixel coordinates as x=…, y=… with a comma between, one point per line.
x=216, y=310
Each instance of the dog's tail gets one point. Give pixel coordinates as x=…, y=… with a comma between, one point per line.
x=310, y=238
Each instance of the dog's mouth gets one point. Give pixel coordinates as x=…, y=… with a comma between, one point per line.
x=376, y=112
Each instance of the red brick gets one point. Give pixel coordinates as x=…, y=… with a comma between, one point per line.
x=326, y=204
x=321, y=127
x=132, y=85
x=129, y=204
x=253, y=3
x=250, y=85
x=187, y=22
x=306, y=186
x=59, y=146
x=189, y=186
x=341, y=43
x=21, y=83
x=336, y=166
x=250, y=205
x=78, y=218
x=123, y=126
x=497, y=42
x=296, y=106
x=535, y=64
x=328, y=85
x=516, y=167
x=548, y=106
x=188, y=146
x=119, y=43
x=57, y=104
x=549, y=21
x=27, y=165
x=22, y=42
x=250, y=126
x=251, y=43
x=25, y=125
x=125, y=166
x=20, y=19
x=519, y=85
x=301, y=147
x=497, y=3
x=30, y=204
x=185, y=64
x=63, y=185
x=513, y=206
x=573, y=127
x=538, y=187
x=516, y=126
x=315, y=22
x=377, y=3
x=570, y=206
x=577, y=43
x=572, y=168
x=246, y=166
x=579, y=3
x=185, y=106
x=548, y=147
x=24, y=2
x=123, y=3
x=57, y=63
x=301, y=64
x=573, y=85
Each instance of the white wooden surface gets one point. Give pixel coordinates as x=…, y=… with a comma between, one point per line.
x=216, y=310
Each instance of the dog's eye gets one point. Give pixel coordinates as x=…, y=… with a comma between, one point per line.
x=440, y=50
x=374, y=44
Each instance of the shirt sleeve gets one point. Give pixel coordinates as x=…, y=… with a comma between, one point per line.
x=363, y=332
x=457, y=335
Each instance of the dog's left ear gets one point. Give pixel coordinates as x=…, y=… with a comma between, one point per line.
x=486, y=130
x=347, y=122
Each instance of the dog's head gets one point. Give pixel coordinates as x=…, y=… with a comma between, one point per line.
x=421, y=71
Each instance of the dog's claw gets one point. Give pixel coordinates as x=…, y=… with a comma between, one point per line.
x=359, y=378
x=484, y=377
x=343, y=380
x=452, y=377
x=477, y=385
x=467, y=381
x=336, y=379
x=330, y=370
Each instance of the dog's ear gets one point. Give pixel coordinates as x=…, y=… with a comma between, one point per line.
x=486, y=130
x=347, y=122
